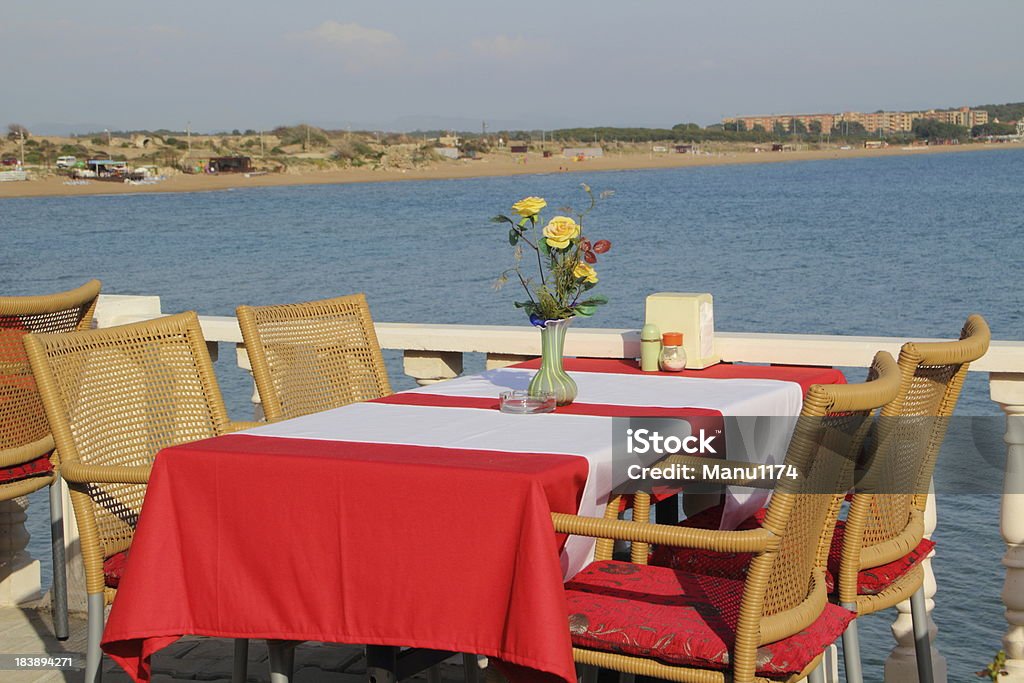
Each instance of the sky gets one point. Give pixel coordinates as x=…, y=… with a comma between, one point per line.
x=407, y=64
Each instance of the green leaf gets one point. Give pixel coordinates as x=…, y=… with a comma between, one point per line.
x=543, y=246
x=523, y=222
x=587, y=286
x=585, y=309
x=513, y=237
x=527, y=306
x=501, y=219
x=595, y=301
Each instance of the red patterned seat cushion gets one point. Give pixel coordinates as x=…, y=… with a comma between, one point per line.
x=680, y=619
x=876, y=579
x=33, y=468
x=734, y=565
x=113, y=568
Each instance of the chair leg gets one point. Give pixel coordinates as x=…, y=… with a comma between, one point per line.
x=434, y=674
x=471, y=669
x=818, y=674
x=851, y=650
x=240, y=669
x=282, y=660
x=59, y=592
x=922, y=644
x=93, y=654
x=290, y=658
x=587, y=673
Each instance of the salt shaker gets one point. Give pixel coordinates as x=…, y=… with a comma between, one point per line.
x=650, y=347
x=673, y=357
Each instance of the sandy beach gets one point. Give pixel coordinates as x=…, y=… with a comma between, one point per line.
x=490, y=165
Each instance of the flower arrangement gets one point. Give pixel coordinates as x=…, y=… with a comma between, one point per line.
x=565, y=261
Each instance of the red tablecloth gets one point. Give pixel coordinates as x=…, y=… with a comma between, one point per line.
x=805, y=376
x=247, y=536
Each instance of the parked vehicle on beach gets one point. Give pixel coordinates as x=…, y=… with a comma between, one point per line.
x=66, y=162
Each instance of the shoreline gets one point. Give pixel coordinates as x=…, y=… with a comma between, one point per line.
x=492, y=166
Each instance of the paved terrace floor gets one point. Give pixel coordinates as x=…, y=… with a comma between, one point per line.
x=29, y=631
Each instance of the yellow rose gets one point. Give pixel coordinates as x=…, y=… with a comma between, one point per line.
x=530, y=206
x=560, y=230
x=582, y=270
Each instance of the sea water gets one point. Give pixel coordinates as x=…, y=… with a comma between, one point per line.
x=897, y=246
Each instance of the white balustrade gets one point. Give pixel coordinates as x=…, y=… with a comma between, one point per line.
x=434, y=352
x=1008, y=391
x=902, y=662
x=19, y=573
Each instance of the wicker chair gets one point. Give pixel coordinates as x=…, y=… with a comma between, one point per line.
x=876, y=554
x=310, y=357
x=882, y=541
x=28, y=461
x=774, y=623
x=115, y=397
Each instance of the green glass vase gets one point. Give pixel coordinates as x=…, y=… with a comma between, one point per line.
x=552, y=377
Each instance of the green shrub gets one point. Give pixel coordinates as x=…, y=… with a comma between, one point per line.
x=425, y=155
x=350, y=150
x=297, y=135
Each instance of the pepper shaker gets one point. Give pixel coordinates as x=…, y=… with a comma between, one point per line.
x=650, y=347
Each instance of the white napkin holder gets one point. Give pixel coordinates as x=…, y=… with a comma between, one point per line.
x=693, y=314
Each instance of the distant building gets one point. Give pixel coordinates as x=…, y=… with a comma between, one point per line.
x=450, y=140
x=107, y=168
x=884, y=121
x=230, y=165
x=447, y=152
x=1020, y=127
x=786, y=121
x=518, y=147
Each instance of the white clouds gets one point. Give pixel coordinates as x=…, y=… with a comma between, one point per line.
x=358, y=47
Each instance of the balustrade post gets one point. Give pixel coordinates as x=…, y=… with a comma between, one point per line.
x=242, y=358
x=430, y=367
x=19, y=573
x=496, y=361
x=901, y=664
x=1007, y=389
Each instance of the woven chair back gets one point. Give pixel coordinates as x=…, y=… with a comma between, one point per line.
x=24, y=432
x=115, y=397
x=785, y=589
x=910, y=433
x=310, y=357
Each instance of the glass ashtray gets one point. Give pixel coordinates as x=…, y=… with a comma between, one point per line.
x=520, y=402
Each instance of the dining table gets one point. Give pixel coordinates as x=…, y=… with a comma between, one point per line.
x=418, y=520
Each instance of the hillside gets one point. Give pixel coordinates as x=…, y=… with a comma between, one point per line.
x=1011, y=111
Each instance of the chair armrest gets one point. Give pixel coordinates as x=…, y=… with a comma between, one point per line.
x=77, y=473
x=25, y=452
x=748, y=541
x=698, y=462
